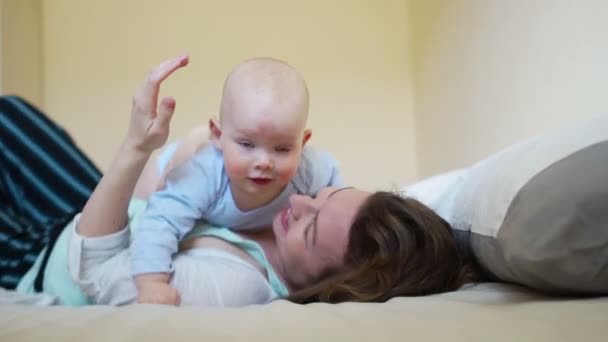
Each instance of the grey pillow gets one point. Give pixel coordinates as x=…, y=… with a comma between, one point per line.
x=555, y=232
x=536, y=213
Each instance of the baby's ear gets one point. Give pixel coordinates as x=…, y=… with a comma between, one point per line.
x=307, y=135
x=215, y=132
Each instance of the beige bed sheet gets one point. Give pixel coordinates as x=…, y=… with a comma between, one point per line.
x=487, y=312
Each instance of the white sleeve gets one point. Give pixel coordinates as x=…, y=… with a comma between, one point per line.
x=100, y=265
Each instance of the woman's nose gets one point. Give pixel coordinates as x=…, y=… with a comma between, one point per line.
x=301, y=205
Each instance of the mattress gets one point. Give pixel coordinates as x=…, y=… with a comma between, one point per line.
x=484, y=312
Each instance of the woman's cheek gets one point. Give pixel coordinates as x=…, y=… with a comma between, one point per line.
x=294, y=247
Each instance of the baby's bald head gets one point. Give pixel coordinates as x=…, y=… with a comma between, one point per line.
x=265, y=90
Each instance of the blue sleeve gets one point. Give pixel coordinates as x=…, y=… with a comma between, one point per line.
x=165, y=156
x=335, y=179
x=317, y=170
x=171, y=213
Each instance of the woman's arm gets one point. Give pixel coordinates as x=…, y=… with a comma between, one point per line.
x=106, y=209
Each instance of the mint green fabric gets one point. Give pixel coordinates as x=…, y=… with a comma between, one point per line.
x=57, y=279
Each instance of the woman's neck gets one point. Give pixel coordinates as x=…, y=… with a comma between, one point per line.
x=265, y=238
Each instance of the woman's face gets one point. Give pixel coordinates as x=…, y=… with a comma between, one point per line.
x=312, y=233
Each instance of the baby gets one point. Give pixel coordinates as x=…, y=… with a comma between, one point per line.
x=256, y=160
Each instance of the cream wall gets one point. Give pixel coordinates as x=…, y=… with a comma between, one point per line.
x=486, y=73
x=21, y=49
x=354, y=54
x=490, y=73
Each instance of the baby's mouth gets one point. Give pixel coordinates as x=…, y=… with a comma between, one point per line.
x=261, y=181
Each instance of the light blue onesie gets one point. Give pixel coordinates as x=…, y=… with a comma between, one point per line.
x=200, y=189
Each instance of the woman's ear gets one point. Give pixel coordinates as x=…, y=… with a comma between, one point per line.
x=215, y=132
x=307, y=135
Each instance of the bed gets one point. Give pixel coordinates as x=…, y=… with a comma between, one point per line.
x=489, y=312
x=536, y=215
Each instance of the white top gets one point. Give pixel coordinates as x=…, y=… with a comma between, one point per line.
x=203, y=277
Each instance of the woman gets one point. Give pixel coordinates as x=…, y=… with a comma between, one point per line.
x=343, y=245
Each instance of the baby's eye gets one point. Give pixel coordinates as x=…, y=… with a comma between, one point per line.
x=245, y=144
x=283, y=149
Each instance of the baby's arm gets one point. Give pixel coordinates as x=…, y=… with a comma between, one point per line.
x=170, y=214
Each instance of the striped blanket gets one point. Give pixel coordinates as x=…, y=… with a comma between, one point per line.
x=44, y=180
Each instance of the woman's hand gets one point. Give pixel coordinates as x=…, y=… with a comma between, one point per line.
x=149, y=126
x=106, y=210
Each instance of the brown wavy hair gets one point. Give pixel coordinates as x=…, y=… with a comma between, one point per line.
x=397, y=247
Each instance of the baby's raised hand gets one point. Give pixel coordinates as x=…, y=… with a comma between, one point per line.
x=149, y=126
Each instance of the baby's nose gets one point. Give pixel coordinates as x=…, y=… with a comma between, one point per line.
x=263, y=162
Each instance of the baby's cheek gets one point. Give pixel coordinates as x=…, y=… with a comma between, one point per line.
x=287, y=172
x=286, y=177
x=234, y=168
x=231, y=172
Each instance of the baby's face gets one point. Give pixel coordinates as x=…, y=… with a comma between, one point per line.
x=262, y=140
